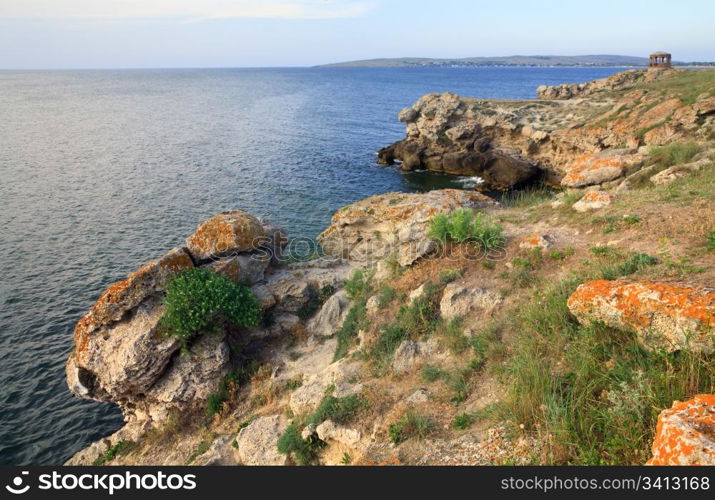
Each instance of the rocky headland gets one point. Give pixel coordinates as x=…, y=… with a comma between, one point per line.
x=550, y=327
x=573, y=135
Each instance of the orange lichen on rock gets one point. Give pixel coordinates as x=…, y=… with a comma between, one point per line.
x=594, y=168
x=664, y=315
x=536, y=240
x=593, y=200
x=222, y=234
x=130, y=292
x=685, y=434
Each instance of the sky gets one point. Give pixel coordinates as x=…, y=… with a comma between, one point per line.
x=50, y=34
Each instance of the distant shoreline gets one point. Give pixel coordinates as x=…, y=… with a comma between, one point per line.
x=589, y=61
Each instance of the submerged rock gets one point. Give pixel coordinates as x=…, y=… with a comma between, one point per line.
x=664, y=315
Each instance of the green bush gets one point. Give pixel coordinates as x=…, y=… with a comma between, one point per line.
x=358, y=286
x=431, y=373
x=711, y=241
x=200, y=299
x=676, y=153
x=121, y=448
x=633, y=264
x=386, y=296
x=447, y=276
x=303, y=451
x=463, y=421
x=463, y=225
x=339, y=410
x=411, y=425
x=354, y=321
x=234, y=378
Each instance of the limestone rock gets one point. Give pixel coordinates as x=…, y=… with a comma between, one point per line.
x=459, y=301
x=194, y=375
x=258, y=441
x=405, y=357
x=664, y=315
x=331, y=315
x=594, y=200
x=686, y=433
x=225, y=234
x=220, y=453
x=121, y=360
x=676, y=172
x=127, y=294
x=418, y=397
x=330, y=431
x=596, y=168
x=245, y=268
x=393, y=224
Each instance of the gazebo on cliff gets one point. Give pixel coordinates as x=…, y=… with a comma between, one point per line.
x=660, y=60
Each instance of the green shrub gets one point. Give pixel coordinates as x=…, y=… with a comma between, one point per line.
x=631, y=219
x=676, y=153
x=411, y=425
x=200, y=299
x=386, y=296
x=453, y=335
x=233, y=379
x=447, y=276
x=463, y=421
x=463, y=225
x=632, y=265
x=391, y=336
x=556, y=255
x=711, y=241
x=121, y=448
x=339, y=410
x=303, y=451
x=358, y=286
x=431, y=373
x=354, y=321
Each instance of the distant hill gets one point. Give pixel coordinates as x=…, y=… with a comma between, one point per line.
x=414, y=62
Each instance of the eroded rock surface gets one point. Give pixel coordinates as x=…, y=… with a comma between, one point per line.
x=664, y=315
x=393, y=224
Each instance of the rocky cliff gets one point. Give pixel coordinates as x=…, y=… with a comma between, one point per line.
x=445, y=327
x=574, y=135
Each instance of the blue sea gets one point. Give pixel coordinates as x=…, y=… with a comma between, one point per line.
x=101, y=171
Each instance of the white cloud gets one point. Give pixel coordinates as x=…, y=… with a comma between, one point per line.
x=182, y=9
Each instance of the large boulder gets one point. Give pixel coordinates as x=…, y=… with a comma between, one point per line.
x=686, y=433
x=225, y=234
x=393, y=224
x=596, y=168
x=664, y=315
x=120, y=355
